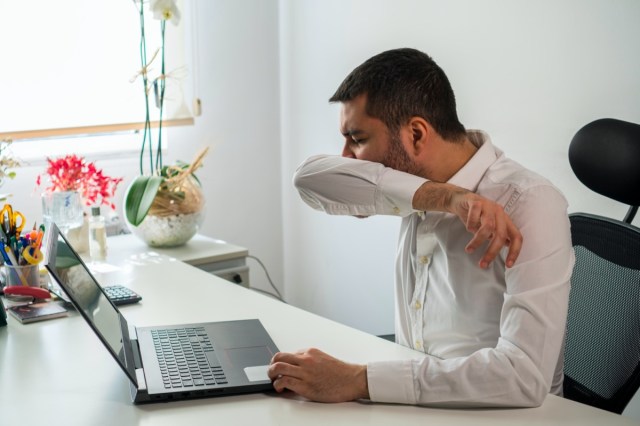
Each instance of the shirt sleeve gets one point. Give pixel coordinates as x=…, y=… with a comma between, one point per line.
x=346, y=186
x=519, y=370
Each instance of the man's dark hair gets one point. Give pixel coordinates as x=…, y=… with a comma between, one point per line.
x=401, y=84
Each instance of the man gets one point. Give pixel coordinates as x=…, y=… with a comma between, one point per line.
x=490, y=321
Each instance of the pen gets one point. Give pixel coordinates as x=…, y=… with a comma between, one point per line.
x=10, y=255
x=4, y=254
x=39, y=237
x=13, y=261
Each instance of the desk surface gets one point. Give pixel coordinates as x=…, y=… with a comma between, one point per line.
x=200, y=250
x=58, y=372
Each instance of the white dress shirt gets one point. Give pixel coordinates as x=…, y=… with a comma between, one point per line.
x=494, y=337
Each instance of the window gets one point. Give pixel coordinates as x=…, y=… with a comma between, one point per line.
x=67, y=68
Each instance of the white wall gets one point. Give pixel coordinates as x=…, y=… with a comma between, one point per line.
x=238, y=83
x=530, y=73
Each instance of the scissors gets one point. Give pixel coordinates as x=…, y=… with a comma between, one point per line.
x=12, y=221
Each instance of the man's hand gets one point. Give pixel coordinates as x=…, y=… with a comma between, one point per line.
x=484, y=218
x=318, y=376
x=487, y=221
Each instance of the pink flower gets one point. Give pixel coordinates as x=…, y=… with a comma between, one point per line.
x=73, y=173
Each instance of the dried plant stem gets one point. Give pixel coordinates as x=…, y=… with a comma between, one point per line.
x=181, y=193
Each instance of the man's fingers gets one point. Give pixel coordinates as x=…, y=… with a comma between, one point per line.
x=495, y=227
x=474, y=218
x=497, y=242
x=279, y=369
x=287, y=382
x=484, y=232
x=515, y=244
x=289, y=358
x=498, y=239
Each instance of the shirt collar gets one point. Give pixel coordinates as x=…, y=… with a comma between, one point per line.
x=470, y=174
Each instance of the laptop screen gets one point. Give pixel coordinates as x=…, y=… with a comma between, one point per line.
x=73, y=276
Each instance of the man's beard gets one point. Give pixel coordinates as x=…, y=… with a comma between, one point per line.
x=398, y=159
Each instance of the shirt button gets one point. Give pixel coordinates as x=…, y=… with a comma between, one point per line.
x=396, y=210
x=418, y=344
x=424, y=259
x=418, y=305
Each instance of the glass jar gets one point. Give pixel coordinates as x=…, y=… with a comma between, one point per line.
x=175, y=216
x=64, y=208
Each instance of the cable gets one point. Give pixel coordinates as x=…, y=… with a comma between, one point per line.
x=277, y=295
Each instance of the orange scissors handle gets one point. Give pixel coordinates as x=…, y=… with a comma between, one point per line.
x=13, y=227
x=18, y=226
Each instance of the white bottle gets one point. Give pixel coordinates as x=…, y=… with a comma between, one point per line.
x=97, y=236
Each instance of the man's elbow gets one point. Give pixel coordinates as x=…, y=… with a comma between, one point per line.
x=304, y=174
x=299, y=178
x=534, y=394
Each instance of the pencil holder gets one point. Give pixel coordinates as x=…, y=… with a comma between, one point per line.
x=28, y=275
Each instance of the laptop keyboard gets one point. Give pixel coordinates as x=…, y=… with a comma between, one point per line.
x=187, y=358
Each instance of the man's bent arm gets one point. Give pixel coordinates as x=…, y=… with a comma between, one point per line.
x=345, y=186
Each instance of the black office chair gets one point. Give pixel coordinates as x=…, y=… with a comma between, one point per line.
x=602, y=353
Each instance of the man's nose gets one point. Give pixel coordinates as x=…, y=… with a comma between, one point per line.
x=346, y=151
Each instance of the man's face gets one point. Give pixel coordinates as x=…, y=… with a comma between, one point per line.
x=368, y=138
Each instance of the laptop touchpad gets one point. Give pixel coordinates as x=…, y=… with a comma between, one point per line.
x=254, y=360
x=257, y=373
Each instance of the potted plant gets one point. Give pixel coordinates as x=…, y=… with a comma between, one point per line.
x=164, y=205
x=7, y=163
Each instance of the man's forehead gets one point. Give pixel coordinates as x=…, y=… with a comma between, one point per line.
x=352, y=113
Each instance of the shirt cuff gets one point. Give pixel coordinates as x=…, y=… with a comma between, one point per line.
x=391, y=381
x=395, y=192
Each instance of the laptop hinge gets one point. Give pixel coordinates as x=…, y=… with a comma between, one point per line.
x=142, y=384
x=137, y=359
x=137, y=362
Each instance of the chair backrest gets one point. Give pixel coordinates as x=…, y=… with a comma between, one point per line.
x=602, y=352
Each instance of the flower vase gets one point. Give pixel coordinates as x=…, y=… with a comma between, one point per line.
x=175, y=216
x=64, y=208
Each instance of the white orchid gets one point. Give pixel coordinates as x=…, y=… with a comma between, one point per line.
x=151, y=182
x=165, y=10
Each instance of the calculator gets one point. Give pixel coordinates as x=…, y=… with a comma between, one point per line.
x=121, y=295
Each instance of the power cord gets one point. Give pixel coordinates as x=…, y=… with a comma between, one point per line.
x=264, y=268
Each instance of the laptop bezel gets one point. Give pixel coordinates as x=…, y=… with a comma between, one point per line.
x=51, y=253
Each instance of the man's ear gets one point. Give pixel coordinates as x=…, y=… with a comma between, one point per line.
x=420, y=133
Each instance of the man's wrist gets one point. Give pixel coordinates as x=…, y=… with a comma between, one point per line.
x=434, y=196
x=363, y=383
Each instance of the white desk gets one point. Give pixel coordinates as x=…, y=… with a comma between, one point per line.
x=58, y=372
x=217, y=257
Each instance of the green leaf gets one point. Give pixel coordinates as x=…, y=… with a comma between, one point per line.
x=140, y=197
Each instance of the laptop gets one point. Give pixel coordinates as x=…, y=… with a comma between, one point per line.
x=170, y=362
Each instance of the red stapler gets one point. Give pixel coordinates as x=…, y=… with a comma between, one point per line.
x=21, y=290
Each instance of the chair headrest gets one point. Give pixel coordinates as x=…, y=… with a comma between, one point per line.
x=605, y=156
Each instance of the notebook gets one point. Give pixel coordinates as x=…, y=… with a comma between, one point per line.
x=170, y=362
